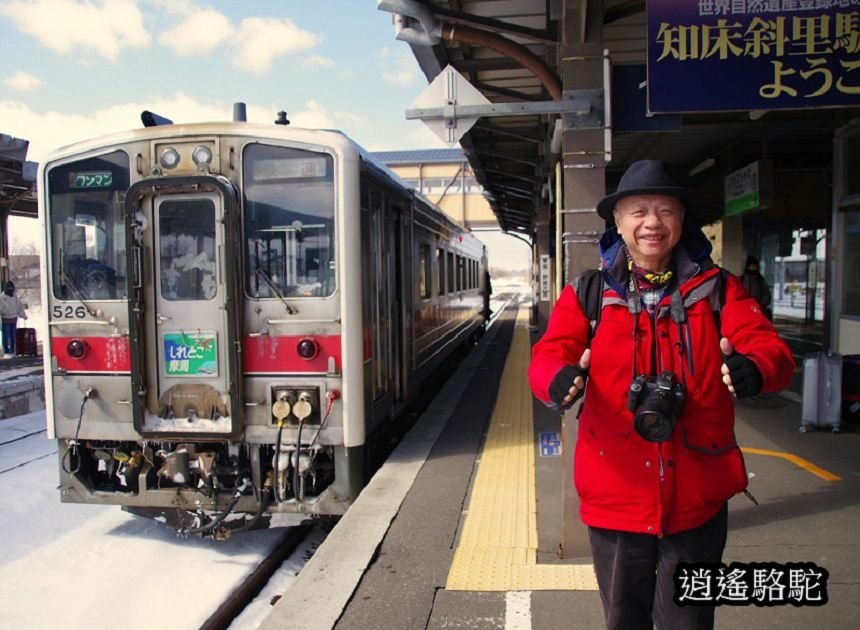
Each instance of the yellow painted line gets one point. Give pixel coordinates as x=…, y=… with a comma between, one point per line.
x=497, y=549
x=794, y=459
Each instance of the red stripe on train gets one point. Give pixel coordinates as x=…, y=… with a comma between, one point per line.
x=278, y=354
x=103, y=354
x=260, y=354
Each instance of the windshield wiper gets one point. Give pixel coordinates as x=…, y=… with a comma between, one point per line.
x=292, y=310
x=78, y=294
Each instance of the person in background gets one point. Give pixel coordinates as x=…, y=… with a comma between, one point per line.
x=756, y=285
x=11, y=308
x=488, y=291
x=656, y=458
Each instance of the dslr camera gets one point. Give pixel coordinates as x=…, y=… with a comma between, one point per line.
x=655, y=402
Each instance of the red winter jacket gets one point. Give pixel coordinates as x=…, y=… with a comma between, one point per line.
x=625, y=482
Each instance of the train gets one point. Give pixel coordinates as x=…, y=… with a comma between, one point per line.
x=237, y=317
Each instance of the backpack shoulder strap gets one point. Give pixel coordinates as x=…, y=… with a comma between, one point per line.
x=720, y=298
x=589, y=290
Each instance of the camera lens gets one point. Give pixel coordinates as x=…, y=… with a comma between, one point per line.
x=653, y=427
x=655, y=418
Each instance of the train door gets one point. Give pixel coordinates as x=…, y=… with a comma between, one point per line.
x=384, y=248
x=396, y=269
x=190, y=362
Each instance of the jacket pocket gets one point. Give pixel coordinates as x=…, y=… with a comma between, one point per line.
x=711, y=465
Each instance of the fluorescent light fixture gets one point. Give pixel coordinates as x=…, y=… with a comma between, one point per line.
x=702, y=166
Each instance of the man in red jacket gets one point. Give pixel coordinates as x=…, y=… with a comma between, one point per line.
x=656, y=457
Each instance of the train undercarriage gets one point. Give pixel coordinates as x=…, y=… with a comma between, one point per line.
x=210, y=488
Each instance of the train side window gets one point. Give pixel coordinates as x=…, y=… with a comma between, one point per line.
x=425, y=273
x=440, y=257
x=461, y=273
x=451, y=273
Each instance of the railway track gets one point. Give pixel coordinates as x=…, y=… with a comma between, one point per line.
x=250, y=588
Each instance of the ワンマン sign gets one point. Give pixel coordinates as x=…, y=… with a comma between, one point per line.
x=709, y=55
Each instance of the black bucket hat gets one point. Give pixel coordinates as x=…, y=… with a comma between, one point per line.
x=650, y=177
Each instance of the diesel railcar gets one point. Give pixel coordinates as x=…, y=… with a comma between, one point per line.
x=235, y=312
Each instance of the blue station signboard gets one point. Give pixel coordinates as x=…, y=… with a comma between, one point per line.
x=712, y=55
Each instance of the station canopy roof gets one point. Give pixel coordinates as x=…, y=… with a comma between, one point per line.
x=17, y=177
x=512, y=157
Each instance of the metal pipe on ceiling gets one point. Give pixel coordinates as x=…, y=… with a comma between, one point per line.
x=431, y=30
x=504, y=46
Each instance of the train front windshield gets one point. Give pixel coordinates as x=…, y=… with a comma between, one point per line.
x=289, y=222
x=88, y=227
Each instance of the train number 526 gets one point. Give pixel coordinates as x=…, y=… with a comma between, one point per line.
x=69, y=311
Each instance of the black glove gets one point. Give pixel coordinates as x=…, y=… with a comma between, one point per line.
x=745, y=375
x=561, y=383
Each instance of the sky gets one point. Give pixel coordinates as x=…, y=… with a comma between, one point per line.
x=76, y=69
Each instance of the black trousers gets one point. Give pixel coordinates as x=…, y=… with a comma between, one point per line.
x=634, y=574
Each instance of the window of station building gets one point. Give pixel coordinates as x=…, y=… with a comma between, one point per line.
x=472, y=185
x=425, y=270
x=851, y=268
x=451, y=273
x=852, y=165
x=440, y=257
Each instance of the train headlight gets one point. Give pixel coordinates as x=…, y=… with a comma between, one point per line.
x=308, y=349
x=202, y=155
x=169, y=158
x=77, y=349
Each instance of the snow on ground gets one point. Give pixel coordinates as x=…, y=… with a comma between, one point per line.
x=80, y=566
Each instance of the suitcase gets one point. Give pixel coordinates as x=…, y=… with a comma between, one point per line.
x=822, y=392
x=25, y=342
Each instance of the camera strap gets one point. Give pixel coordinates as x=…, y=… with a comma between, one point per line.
x=634, y=305
x=685, y=341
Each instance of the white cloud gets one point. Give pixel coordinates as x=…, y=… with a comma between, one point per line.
x=22, y=82
x=398, y=68
x=200, y=31
x=255, y=43
x=175, y=7
x=413, y=135
x=49, y=130
x=318, y=61
x=104, y=27
x=313, y=116
x=262, y=40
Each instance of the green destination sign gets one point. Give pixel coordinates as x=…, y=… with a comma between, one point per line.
x=191, y=354
x=93, y=179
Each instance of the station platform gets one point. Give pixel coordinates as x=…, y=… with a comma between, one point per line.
x=22, y=385
x=461, y=528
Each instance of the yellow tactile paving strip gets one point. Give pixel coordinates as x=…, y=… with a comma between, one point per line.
x=497, y=549
x=807, y=465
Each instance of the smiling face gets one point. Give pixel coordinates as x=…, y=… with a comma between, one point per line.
x=651, y=226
